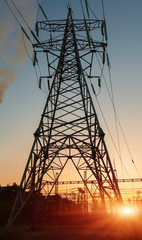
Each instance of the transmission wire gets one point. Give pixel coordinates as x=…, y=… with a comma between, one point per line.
x=116, y=128
x=20, y=14
x=116, y=125
x=23, y=37
x=121, y=127
x=112, y=97
x=111, y=136
x=117, y=118
x=12, y=12
x=31, y=59
x=99, y=92
x=23, y=20
x=112, y=100
x=92, y=11
x=15, y=16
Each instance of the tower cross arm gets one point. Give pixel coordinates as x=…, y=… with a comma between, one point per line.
x=55, y=45
x=59, y=25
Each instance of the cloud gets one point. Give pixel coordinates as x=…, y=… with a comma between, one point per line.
x=12, y=50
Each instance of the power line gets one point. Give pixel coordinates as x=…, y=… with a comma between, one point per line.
x=34, y=36
x=13, y=13
x=92, y=11
x=20, y=14
x=18, y=21
x=124, y=137
x=118, y=152
x=116, y=116
x=23, y=31
x=112, y=137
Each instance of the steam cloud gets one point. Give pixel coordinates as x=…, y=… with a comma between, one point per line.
x=12, y=50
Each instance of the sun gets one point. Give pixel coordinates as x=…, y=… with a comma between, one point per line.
x=127, y=210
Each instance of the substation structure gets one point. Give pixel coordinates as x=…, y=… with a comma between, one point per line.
x=69, y=131
x=76, y=191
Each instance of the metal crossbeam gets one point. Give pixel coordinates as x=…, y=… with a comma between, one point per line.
x=93, y=181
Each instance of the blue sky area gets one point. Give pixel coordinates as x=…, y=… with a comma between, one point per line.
x=23, y=101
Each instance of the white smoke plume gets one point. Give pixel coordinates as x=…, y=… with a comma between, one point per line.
x=7, y=76
x=12, y=50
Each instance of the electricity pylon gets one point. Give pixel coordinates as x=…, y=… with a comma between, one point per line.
x=69, y=129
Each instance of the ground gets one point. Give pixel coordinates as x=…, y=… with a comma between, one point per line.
x=101, y=228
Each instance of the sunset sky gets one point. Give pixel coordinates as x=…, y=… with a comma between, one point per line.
x=22, y=102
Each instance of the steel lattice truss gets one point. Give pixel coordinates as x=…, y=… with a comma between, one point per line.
x=69, y=129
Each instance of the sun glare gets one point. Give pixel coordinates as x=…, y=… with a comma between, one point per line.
x=126, y=210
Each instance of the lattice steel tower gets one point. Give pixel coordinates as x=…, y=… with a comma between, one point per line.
x=69, y=128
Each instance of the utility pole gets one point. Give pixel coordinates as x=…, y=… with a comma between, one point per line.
x=69, y=128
